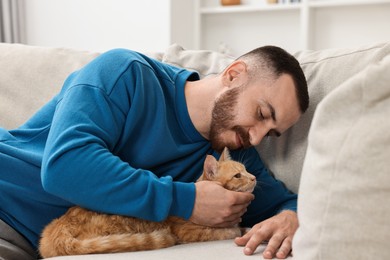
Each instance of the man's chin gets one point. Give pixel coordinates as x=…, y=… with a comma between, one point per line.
x=219, y=148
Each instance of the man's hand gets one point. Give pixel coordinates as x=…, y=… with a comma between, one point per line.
x=278, y=231
x=218, y=207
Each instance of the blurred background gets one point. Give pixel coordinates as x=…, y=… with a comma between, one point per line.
x=153, y=25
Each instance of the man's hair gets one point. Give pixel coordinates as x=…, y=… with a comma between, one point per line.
x=277, y=61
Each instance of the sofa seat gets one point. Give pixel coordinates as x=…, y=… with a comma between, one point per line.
x=224, y=249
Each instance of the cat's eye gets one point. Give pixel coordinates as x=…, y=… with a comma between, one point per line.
x=238, y=175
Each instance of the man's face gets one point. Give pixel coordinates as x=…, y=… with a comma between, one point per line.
x=244, y=114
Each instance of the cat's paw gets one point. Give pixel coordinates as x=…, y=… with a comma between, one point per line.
x=232, y=233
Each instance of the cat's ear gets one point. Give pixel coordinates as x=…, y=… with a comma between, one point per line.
x=225, y=156
x=210, y=167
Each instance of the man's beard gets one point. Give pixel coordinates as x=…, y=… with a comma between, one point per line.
x=223, y=116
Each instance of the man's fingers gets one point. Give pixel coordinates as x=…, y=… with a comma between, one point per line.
x=243, y=198
x=270, y=251
x=241, y=241
x=285, y=249
x=232, y=219
x=277, y=245
x=232, y=215
x=256, y=238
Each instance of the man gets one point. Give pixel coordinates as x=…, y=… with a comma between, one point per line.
x=128, y=135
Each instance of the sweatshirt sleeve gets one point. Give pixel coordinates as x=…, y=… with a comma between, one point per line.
x=80, y=164
x=271, y=195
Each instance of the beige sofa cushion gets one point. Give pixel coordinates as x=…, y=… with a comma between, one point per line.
x=30, y=76
x=343, y=204
x=204, y=62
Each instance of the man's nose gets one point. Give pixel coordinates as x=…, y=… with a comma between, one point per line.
x=257, y=133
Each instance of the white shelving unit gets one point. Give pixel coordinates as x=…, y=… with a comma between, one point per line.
x=294, y=26
x=332, y=3
x=249, y=8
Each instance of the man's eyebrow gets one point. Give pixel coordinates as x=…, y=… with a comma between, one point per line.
x=272, y=110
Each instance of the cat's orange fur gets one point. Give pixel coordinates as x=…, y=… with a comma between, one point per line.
x=81, y=231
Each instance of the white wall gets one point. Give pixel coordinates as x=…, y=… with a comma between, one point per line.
x=340, y=24
x=341, y=27
x=99, y=25
x=152, y=25
x=242, y=32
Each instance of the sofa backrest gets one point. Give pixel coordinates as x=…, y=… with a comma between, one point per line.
x=30, y=76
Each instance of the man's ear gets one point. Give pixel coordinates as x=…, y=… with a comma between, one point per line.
x=233, y=72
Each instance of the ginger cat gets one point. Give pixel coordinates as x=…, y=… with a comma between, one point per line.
x=81, y=231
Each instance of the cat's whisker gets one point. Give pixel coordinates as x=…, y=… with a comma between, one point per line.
x=242, y=156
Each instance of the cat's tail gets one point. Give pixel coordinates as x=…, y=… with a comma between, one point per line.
x=111, y=243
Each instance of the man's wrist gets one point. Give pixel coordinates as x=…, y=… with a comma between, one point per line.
x=183, y=199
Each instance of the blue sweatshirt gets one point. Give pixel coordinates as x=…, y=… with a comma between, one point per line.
x=117, y=139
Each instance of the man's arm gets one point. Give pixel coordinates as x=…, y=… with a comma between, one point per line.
x=80, y=167
x=92, y=131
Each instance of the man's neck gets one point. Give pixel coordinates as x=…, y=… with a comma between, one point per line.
x=200, y=96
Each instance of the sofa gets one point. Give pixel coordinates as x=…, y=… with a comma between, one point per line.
x=337, y=157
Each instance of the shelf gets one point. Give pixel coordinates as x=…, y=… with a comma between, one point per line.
x=301, y=25
x=283, y=7
x=336, y=3
x=249, y=8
